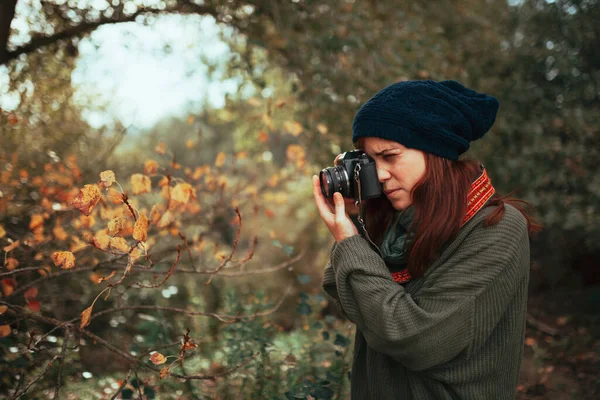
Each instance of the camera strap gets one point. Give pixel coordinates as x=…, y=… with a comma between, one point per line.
x=359, y=204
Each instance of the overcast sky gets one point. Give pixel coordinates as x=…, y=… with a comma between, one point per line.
x=125, y=66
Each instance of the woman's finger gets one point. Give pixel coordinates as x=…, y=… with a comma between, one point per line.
x=340, y=208
x=322, y=206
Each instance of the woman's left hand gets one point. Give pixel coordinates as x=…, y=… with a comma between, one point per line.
x=338, y=222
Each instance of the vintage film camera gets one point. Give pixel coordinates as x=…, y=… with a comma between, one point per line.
x=342, y=177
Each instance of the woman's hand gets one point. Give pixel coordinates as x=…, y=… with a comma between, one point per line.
x=335, y=217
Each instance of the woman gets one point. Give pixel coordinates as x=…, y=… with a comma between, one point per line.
x=440, y=303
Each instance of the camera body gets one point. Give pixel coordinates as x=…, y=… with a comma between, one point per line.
x=340, y=178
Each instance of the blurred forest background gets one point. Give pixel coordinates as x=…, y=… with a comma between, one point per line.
x=189, y=264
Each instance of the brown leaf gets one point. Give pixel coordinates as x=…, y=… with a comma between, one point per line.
x=107, y=178
x=140, y=229
x=119, y=243
x=85, y=317
x=64, y=259
x=8, y=286
x=30, y=294
x=164, y=372
x=182, y=192
x=263, y=136
x=322, y=128
x=140, y=184
x=86, y=199
x=157, y=358
x=11, y=246
x=5, y=330
x=190, y=143
x=116, y=225
x=3, y=309
x=161, y=148
x=2, y=232
x=220, y=161
x=36, y=221
x=293, y=127
x=150, y=167
x=59, y=232
x=34, y=305
x=11, y=263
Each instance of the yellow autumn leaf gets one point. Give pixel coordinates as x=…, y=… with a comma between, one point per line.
x=140, y=184
x=182, y=192
x=85, y=317
x=107, y=178
x=157, y=358
x=64, y=259
x=166, y=219
x=119, y=243
x=140, y=229
x=296, y=154
x=11, y=246
x=36, y=221
x=161, y=148
x=150, y=167
x=293, y=127
x=241, y=155
x=59, y=232
x=220, y=161
x=3, y=309
x=116, y=225
x=322, y=128
x=190, y=143
x=86, y=199
x=2, y=232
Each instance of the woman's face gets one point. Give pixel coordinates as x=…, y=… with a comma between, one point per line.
x=399, y=168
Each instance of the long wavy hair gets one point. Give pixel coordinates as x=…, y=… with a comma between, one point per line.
x=442, y=191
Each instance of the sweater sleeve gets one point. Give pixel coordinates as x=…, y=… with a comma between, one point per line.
x=439, y=324
x=329, y=285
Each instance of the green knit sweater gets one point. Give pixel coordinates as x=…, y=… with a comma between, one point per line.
x=456, y=333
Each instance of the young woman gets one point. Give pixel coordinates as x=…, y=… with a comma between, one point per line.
x=440, y=303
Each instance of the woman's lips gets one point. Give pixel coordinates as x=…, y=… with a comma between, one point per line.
x=388, y=192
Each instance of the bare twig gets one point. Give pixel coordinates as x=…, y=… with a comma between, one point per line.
x=120, y=389
x=61, y=359
x=34, y=380
x=233, y=247
x=542, y=326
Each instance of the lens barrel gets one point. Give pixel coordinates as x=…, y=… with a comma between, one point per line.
x=334, y=179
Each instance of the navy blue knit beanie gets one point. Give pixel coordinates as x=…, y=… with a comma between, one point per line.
x=441, y=118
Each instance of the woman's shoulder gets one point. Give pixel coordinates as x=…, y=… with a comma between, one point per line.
x=512, y=220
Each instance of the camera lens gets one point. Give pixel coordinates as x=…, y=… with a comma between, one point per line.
x=334, y=179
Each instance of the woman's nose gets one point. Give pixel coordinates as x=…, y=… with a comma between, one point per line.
x=382, y=174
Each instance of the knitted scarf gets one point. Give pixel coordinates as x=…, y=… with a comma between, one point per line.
x=397, y=238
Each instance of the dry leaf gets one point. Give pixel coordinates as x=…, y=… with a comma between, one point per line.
x=182, y=192
x=11, y=246
x=322, y=128
x=116, y=225
x=59, y=232
x=140, y=184
x=220, y=161
x=86, y=199
x=293, y=127
x=164, y=372
x=5, y=330
x=119, y=243
x=37, y=220
x=157, y=358
x=263, y=136
x=64, y=259
x=34, y=305
x=11, y=263
x=150, y=167
x=85, y=317
x=2, y=232
x=3, y=309
x=296, y=154
x=161, y=148
x=190, y=143
x=30, y=294
x=8, y=286
x=140, y=229
x=166, y=219
x=107, y=178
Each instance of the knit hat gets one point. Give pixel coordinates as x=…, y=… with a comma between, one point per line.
x=441, y=118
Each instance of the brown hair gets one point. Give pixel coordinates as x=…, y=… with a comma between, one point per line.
x=442, y=190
